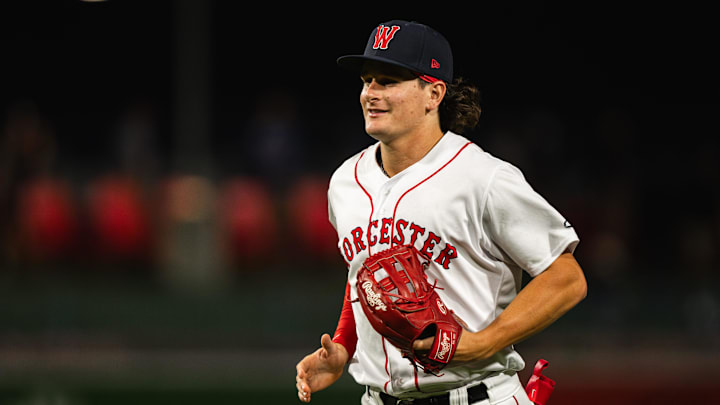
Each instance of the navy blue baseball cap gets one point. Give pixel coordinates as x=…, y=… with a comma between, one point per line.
x=407, y=44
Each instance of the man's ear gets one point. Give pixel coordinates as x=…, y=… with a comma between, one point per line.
x=437, y=94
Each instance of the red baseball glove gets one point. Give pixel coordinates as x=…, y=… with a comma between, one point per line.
x=403, y=306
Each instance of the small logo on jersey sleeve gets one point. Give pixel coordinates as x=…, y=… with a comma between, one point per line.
x=567, y=224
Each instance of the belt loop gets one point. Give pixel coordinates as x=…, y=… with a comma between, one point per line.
x=458, y=396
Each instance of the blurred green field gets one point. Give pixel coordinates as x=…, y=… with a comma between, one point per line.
x=105, y=340
x=178, y=396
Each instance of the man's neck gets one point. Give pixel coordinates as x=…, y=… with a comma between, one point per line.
x=402, y=153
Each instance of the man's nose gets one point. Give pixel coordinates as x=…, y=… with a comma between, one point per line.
x=372, y=89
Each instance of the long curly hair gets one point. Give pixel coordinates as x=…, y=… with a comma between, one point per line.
x=460, y=109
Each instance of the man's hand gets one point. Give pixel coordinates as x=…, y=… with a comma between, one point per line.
x=469, y=348
x=320, y=369
x=545, y=299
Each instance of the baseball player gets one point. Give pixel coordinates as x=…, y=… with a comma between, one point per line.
x=474, y=216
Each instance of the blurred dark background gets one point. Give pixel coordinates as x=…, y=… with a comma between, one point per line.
x=163, y=168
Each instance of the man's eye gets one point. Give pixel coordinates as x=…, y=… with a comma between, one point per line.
x=383, y=81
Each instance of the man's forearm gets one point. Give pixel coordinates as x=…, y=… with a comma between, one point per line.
x=545, y=299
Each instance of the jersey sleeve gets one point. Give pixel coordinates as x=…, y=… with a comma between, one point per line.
x=522, y=224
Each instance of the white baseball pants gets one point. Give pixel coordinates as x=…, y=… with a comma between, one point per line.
x=503, y=389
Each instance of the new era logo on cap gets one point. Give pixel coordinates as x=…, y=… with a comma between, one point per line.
x=434, y=64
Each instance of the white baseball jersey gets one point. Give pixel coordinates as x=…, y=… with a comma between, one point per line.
x=479, y=221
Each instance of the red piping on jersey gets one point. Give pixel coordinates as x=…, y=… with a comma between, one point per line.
x=392, y=225
x=392, y=231
x=417, y=385
x=387, y=360
x=372, y=207
x=372, y=211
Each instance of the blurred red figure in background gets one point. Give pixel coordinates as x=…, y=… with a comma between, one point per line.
x=118, y=217
x=308, y=218
x=47, y=219
x=248, y=218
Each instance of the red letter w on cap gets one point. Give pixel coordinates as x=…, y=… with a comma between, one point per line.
x=384, y=35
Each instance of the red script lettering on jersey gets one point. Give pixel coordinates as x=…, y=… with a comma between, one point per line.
x=404, y=230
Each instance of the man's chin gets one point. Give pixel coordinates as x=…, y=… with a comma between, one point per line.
x=376, y=133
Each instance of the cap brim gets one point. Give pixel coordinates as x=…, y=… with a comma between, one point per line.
x=356, y=62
